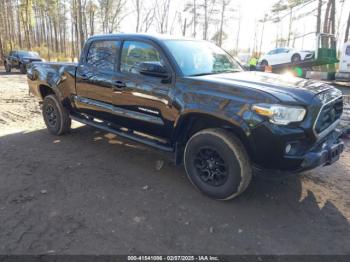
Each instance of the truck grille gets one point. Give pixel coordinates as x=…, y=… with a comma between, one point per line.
x=329, y=113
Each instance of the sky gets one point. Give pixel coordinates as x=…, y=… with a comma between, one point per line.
x=251, y=11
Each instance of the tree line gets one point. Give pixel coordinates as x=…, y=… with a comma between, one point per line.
x=57, y=29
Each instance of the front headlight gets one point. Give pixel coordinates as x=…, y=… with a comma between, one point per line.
x=25, y=60
x=280, y=114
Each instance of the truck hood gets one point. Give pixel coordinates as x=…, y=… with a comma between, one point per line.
x=285, y=88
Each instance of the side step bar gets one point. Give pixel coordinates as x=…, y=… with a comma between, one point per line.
x=127, y=134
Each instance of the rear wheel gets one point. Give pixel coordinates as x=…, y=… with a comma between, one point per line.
x=217, y=164
x=264, y=63
x=296, y=58
x=56, y=117
x=7, y=68
x=22, y=69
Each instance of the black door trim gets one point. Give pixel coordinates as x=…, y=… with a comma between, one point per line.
x=120, y=111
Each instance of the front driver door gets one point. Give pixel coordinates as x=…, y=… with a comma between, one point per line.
x=14, y=59
x=279, y=56
x=144, y=100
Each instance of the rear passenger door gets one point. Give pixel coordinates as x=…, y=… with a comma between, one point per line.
x=95, y=78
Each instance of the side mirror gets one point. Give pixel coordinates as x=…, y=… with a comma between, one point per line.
x=151, y=68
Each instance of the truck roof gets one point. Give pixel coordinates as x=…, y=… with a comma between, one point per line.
x=154, y=37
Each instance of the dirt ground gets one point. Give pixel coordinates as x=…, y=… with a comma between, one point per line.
x=90, y=192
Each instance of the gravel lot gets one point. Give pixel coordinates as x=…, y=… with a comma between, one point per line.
x=90, y=192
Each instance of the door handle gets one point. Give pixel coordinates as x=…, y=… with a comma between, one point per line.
x=119, y=84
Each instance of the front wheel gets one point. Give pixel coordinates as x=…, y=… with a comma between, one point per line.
x=22, y=69
x=264, y=63
x=56, y=117
x=217, y=163
x=7, y=68
x=296, y=58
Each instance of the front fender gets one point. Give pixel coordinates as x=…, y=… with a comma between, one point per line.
x=234, y=121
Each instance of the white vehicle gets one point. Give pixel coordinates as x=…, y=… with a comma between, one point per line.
x=344, y=64
x=243, y=58
x=284, y=55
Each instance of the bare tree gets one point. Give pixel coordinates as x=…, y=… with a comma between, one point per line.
x=91, y=10
x=19, y=25
x=194, y=18
x=162, y=15
x=347, y=29
x=80, y=23
x=237, y=35
x=224, y=4
x=319, y=13
x=262, y=21
x=111, y=13
x=137, y=4
x=1, y=48
x=148, y=18
x=332, y=18
x=210, y=9
x=192, y=7
x=289, y=6
x=329, y=21
x=145, y=13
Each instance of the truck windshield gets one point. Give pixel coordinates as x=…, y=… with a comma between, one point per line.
x=28, y=54
x=201, y=58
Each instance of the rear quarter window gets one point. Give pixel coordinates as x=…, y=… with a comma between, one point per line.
x=347, y=50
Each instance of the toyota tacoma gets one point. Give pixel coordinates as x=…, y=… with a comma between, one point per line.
x=191, y=98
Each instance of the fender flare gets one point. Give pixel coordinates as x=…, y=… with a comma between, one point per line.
x=235, y=121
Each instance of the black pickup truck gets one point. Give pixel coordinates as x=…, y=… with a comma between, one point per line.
x=20, y=60
x=191, y=98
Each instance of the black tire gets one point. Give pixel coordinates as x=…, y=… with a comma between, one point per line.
x=217, y=164
x=7, y=68
x=22, y=69
x=296, y=58
x=264, y=63
x=56, y=117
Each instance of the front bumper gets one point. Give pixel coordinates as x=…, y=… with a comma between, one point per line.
x=271, y=157
x=325, y=153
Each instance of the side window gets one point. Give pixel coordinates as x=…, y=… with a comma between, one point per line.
x=103, y=54
x=134, y=53
x=347, y=50
x=272, y=52
x=279, y=50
